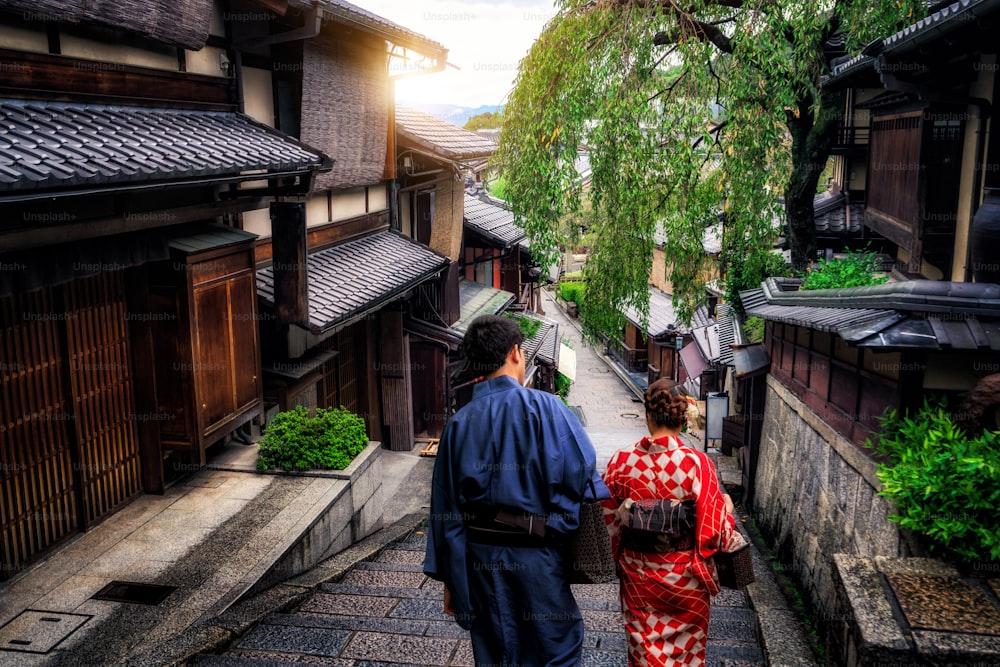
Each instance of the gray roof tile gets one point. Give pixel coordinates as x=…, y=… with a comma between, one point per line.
x=58, y=146
x=359, y=276
x=493, y=222
x=942, y=20
x=352, y=15
x=441, y=138
x=476, y=299
x=662, y=316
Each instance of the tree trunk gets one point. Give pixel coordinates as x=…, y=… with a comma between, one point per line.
x=812, y=139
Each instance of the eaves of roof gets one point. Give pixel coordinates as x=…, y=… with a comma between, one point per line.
x=476, y=299
x=354, y=16
x=357, y=277
x=52, y=149
x=494, y=223
x=917, y=314
x=923, y=296
x=662, y=318
x=440, y=138
x=544, y=345
x=913, y=36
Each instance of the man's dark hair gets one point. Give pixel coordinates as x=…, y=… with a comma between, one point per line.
x=488, y=341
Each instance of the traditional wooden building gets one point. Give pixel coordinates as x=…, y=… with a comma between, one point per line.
x=915, y=148
x=154, y=186
x=128, y=334
x=495, y=251
x=336, y=280
x=433, y=158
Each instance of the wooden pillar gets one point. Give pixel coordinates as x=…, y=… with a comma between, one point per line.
x=288, y=243
x=394, y=367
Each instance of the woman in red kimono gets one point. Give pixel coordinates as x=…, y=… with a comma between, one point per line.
x=666, y=593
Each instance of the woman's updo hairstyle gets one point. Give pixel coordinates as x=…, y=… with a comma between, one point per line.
x=666, y=403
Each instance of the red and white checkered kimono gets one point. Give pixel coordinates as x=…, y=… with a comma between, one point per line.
x=666, y=597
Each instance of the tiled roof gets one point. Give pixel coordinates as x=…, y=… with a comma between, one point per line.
x=441, y=138
x=476, y=299
x=662, y=316
x=48, y=146
x=919, y=313
x=947, y=18
x=711, y=240
x=350, y=14
x=493, y=222
x=359, y=276
x=544, y=345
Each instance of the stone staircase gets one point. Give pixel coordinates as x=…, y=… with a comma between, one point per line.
x=385, y=613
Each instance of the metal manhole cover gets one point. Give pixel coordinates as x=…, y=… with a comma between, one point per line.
x=34, y=631
x=598, y=370
x=135, y=593
x=630, y=415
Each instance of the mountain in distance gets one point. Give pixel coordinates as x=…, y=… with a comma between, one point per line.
x=452, y=113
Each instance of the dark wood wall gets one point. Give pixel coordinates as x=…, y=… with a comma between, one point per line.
x=894, y=177
x=69, y=454
x=848, y=387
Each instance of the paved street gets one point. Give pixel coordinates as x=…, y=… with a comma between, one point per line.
x=386, y=612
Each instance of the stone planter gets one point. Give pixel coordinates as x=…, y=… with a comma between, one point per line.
x=572, y=309
x=349, y=505
x=912, y=611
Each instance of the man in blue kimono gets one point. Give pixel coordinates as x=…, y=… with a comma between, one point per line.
x=512, y=467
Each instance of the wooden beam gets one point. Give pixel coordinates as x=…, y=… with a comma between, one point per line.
x=23, y=239
x=36, y=75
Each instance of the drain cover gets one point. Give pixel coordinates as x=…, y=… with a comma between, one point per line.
x=128, y=591
x=630, y=415
x=34, y=631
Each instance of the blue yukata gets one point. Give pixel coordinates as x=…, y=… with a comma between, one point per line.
x=523, y=450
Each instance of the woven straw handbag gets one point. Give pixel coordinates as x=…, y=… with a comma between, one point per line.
x=590, y=558
x=735, y=568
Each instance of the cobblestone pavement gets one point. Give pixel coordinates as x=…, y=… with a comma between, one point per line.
x=387, y=613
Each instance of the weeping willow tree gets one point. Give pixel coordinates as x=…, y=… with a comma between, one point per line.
x=688, y=110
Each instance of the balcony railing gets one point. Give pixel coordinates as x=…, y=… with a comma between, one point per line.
x=634, y=359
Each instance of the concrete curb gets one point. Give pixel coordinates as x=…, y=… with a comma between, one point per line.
x=217, y=634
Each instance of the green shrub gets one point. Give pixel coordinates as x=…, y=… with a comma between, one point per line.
x=563, y=384
x=943, y=483
x=295, y=441
x=572, y=291
x=529, y=327
x=857, y=269
x=754, y=329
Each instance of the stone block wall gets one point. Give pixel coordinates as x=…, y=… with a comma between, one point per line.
x=815, y=495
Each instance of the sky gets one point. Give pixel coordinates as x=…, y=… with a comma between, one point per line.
x=485, y=39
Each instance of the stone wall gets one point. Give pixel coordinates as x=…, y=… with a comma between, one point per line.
x=352, y=505
x=815, y=496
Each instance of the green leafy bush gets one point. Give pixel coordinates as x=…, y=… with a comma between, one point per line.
x=857, y=269
x=563, y=384
x=295, y=441
x=529, y=327
x=943, y=484
x=754, y=329
x=572, y=291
